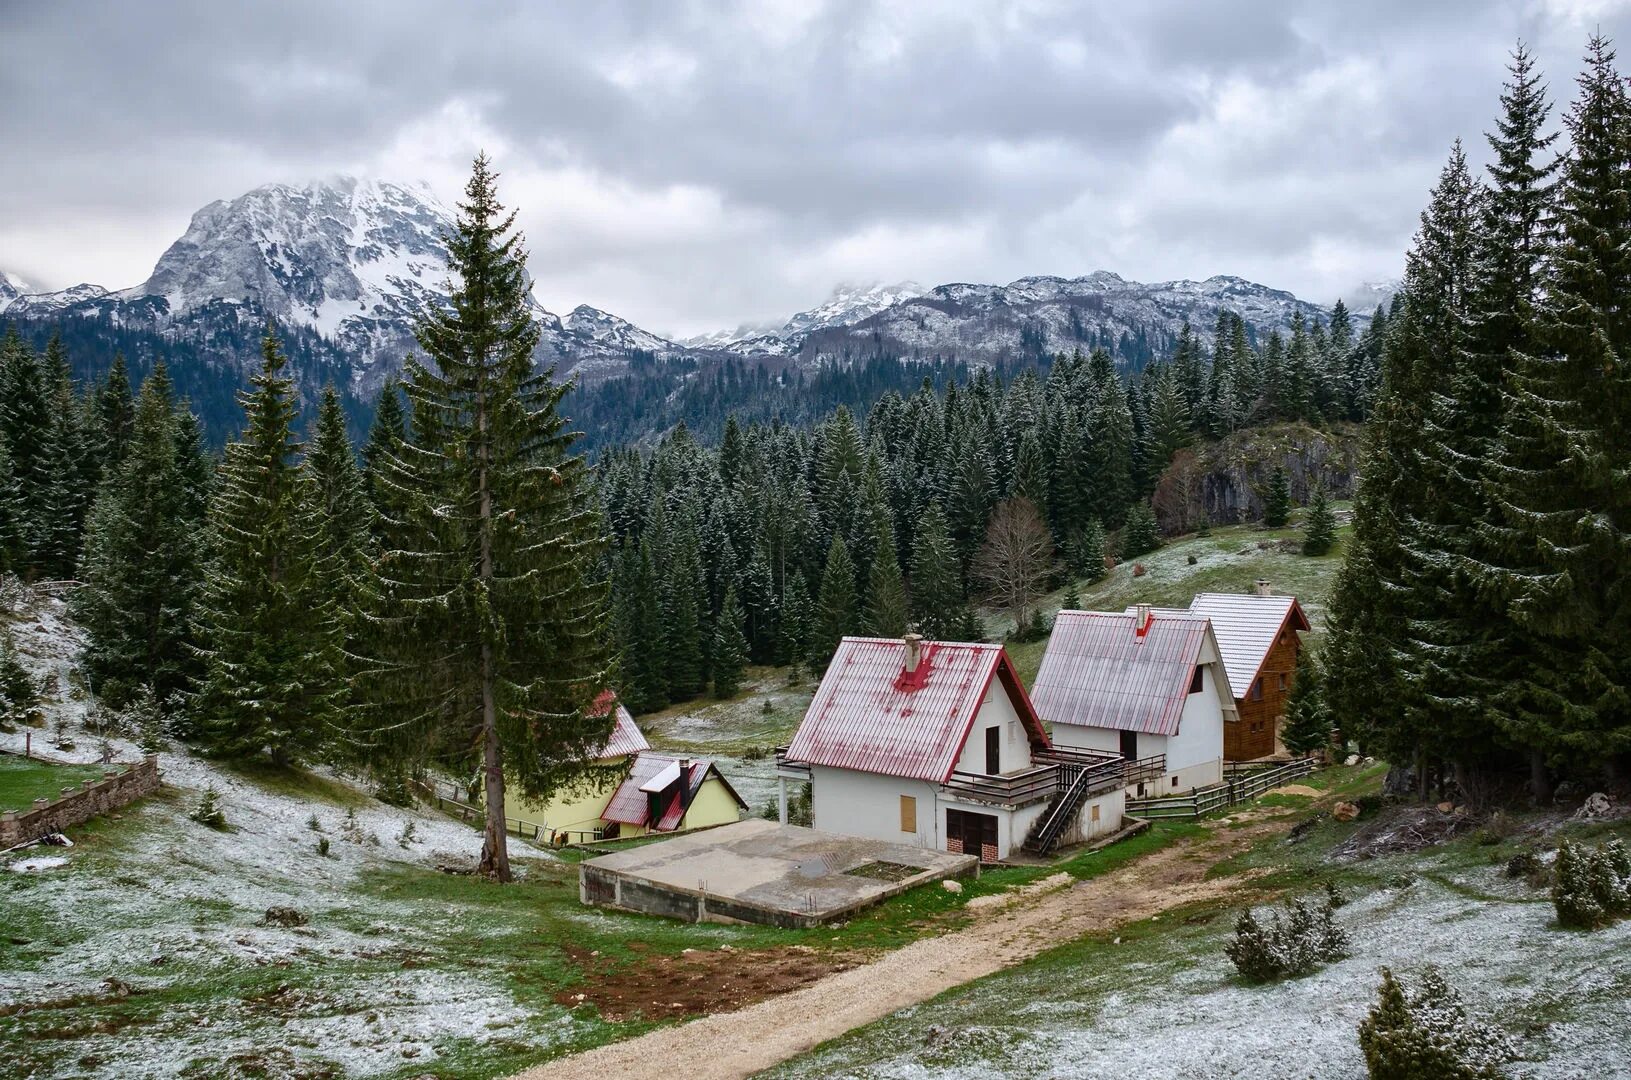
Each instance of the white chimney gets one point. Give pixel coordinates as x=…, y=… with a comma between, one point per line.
x=1263, y=588
x=1141, y=618
x=914, y=651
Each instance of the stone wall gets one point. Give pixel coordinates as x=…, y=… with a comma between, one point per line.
x=94, y=798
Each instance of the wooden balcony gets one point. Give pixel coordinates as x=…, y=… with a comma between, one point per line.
x=1009, y=789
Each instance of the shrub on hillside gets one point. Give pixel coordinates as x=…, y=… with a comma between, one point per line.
x=1591, y=887
x=208, y=811
x=1291, y=943
x=1426, y=1035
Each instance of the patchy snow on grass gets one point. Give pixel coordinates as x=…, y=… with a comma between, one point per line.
x=1173, y=1010
x=161, y=920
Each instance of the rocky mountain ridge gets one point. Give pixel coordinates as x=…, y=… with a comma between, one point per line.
x=356, y=261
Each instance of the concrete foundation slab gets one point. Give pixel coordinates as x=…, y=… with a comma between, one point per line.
x=761, y=872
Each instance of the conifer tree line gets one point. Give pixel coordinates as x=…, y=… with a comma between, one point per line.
x=1481, y=625
x=874, y=526
x=437, y=599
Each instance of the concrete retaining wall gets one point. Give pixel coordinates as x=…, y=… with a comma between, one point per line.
x=95, y=797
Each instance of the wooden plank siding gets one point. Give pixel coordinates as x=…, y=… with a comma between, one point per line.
x=1256, y=733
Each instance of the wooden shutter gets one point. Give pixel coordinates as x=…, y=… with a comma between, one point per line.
x=908, y=814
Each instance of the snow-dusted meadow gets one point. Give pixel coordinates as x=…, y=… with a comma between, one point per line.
x=1162, y=1002
x=151, y=907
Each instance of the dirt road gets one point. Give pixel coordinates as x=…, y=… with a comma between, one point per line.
x=730, y=1045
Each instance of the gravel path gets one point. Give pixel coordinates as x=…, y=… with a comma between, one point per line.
x=731, y=1045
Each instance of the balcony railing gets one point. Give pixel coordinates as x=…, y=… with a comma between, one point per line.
x=793, y=770
x=1032, y=785
x=1054, y=770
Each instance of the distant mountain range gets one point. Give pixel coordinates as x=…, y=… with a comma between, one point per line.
x=352, y=262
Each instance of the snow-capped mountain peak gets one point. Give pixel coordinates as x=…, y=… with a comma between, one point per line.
x=12, y=287
x=337, y=255
x=849, y=304
x=608, y=329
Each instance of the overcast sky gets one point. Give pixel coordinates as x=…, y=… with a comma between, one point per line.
x=697, y=166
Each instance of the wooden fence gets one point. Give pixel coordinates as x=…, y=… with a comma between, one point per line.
x=1241, y=781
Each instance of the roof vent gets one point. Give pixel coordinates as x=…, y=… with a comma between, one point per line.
x=914, y=651
x=1142, y=615
x=1263, y=588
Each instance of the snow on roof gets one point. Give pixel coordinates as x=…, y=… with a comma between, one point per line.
x=626, y=737
x=630, y=804
x=1098, y=671
x=870, y=714
x=1246, y=626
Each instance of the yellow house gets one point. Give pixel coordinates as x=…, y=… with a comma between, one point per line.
x=586, y=812
x=667, y=794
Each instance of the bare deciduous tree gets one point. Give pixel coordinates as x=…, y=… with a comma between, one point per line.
x=1178, y=504
x=1014, y=562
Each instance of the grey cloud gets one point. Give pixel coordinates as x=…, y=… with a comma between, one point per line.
x=836, y=140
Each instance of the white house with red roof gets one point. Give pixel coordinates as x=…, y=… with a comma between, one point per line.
x=936, y=744
x=1147, y=684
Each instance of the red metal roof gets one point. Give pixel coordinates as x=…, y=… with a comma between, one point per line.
x=631, y=806
x=1099, y=672
x=626, y=737
x=868, y=714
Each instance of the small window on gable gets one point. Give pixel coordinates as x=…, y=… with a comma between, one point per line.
x=1257, y=689
x=1195, y=681
x=1282, y=680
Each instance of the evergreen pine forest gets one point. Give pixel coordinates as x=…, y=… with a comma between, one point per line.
x=455, y=590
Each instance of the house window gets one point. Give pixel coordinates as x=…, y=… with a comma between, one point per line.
x=1257, y=689
x=1282, y=680
x=1195, y=681
x=908, y=814
x=1095, y=812
x=1174, y=781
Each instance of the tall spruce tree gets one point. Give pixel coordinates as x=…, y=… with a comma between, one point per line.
x=1373, y=651
x=1465, y=653
x=386, y=436
x=793, y=644
x=885, y=612
x=730, y=649
x=115, y=415
x=1141, y=534
x=1319, y=524
x=340, y=503
x=268, y=629
x=836, y=613
x=937, y=583
x=1562, y=487
x=489, y=620
x=1277, y=499
x=141, y=565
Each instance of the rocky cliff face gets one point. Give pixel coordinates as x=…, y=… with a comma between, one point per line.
x=1236, y=470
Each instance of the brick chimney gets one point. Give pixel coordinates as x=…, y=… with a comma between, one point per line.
x=1141, y=619
x=1263, y=588
x=914, y=651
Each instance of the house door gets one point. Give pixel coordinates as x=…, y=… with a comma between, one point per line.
x=993, y=751
x=972, y=834
x=1129, y=745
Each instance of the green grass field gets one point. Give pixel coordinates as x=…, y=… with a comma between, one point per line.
x=22, y=780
